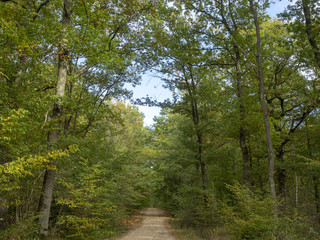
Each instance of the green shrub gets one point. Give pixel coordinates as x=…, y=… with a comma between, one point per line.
x=249, y=215
x=81, y=227
x=295, y=227
x=22, y=230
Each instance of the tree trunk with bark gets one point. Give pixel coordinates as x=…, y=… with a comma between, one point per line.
x=202, y=163
x=49, y=178
x=191, y=88
x=264, y=110
x=281, y=171
x=242, y=133
x=244, y=146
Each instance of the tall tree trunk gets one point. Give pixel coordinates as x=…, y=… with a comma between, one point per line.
x=196, y=121
x=202, y=163
x=233, y=30
x=202, y=166
x=281, y=171
x=49, y=178
x=265, y=111
x=242, y=133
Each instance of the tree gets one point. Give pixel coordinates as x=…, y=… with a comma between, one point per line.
x=90, y=55
x=264, y=108
x=179, y=64
x=49, y=177
x=305, y=15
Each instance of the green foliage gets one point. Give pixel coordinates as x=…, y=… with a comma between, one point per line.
x=13, y=128
x=110, y=179
x=295, y=227
x=80, y=227
x=108, y=164
x=24, y=230
x=250, y=215
x=23, y=167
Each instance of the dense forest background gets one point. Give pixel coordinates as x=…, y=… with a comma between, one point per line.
x=235, y=152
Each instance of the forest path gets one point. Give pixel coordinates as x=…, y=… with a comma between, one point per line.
x=154, y=226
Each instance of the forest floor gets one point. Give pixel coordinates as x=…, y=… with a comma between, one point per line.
x=154, y=225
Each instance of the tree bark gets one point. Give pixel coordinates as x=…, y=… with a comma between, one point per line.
x=202, y=163
x=242, y=132
x=196, y=121
x=281, y=171
x=265, y=110
x=232, y=30
x=49, y=178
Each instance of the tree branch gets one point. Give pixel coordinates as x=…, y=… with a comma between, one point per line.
x=39, y=8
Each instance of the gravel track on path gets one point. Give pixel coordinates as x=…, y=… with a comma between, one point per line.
x=154, y=226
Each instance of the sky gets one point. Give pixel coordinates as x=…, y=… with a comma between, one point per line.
x=152, y=86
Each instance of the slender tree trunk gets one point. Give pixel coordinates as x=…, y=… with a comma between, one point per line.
x=46, y=199
x=202, y=163
x=242, y=132
x=67, y=122
x=49, y=178
x=281, y=172
x=196, y=121
x=233, y=29
x=265, y=111
x=202, y=167
x=200, y=153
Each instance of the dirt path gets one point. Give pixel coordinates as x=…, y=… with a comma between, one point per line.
x=154, y=226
